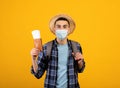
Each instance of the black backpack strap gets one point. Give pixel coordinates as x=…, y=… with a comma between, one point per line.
x=49, y=48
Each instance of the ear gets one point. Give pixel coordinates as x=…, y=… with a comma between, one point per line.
x=68, y=30
x=54, y=29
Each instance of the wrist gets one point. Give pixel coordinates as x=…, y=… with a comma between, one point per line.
x=34, y=58
x=80, y=63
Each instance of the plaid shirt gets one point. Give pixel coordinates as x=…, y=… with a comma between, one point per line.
x=51, y=66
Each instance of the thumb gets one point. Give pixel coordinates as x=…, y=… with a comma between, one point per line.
x=73, y=53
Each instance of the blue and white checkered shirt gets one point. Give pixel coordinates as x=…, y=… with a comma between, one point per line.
x=50, y=65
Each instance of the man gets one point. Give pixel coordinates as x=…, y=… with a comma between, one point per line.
x=63, y=65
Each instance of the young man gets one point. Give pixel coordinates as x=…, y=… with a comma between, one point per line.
x=63, y=65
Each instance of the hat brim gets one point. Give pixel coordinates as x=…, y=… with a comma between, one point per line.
x=52, y=22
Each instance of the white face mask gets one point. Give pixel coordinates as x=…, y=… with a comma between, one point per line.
x=61, y=33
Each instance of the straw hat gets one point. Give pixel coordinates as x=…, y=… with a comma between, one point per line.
x=52, y=21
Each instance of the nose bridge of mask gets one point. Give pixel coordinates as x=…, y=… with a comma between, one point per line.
x=62, y=30
x=61, y=33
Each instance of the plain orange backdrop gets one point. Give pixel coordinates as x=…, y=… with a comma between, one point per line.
x=97, y=30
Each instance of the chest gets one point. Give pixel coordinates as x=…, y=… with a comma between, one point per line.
x=63, y=55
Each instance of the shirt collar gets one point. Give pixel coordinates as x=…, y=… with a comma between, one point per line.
x=56, y=43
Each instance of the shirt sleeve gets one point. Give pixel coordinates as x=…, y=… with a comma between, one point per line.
x=80, y=70
x=42, y=64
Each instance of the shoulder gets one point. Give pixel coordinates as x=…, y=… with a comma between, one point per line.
x=47, y=44
x=75, y=42
x=76, y=46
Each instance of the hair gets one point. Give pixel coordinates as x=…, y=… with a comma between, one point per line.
x=62, y=18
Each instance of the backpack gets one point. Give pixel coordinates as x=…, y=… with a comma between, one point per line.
x=74, y=47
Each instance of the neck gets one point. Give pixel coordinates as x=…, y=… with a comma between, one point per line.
x=62, y=42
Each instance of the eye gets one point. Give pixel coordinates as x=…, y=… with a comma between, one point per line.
x=65, y=26
x=58, y=26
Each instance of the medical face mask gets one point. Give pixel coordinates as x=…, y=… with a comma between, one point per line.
x=61, y=33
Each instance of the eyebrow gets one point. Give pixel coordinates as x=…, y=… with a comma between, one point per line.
x=60, y=25
x=65, y=25
x=57, y=25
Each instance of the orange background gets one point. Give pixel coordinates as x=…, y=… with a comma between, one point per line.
x=97, y=29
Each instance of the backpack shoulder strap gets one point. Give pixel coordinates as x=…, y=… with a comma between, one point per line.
x=74, y=46
x=49, y=48
x=73, y=43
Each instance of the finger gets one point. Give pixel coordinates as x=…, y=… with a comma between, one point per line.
x=79, y=54
x=79, y=57
x=73, y=54
x=76, y=58
x=36, y=49
x=34, y=52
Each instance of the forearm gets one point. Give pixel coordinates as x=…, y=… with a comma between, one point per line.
x=34, y=64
